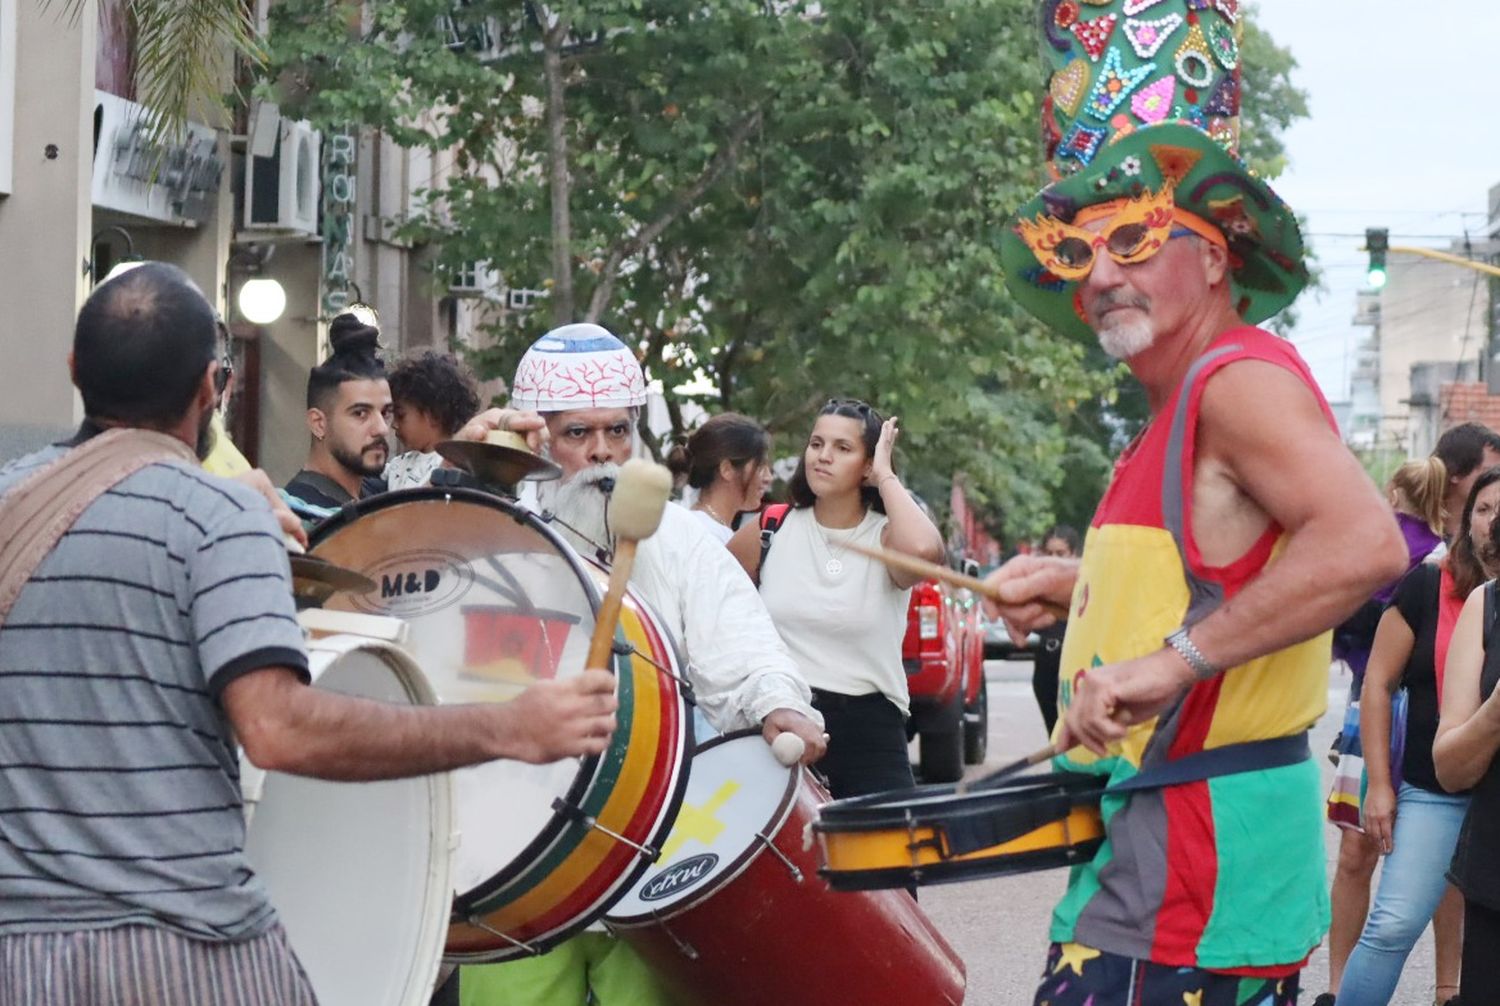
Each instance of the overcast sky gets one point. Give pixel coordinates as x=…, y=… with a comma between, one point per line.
x=1401, y=135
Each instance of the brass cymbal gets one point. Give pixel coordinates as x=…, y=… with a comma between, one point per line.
x=315, y=580
x=503, y=459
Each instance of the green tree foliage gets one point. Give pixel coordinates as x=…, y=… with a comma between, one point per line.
x=774, y=202
x=1271, y=102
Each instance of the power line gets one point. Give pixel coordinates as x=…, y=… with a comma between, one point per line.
x=1366, y=211
x=1361, y=237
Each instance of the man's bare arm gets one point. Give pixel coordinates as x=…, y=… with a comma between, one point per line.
x=287, y=726
x=1264, y=427
x=1342, y=544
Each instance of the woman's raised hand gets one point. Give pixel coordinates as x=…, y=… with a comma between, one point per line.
x=880, y=464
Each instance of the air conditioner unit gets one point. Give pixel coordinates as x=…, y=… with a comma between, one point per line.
x=282, y=191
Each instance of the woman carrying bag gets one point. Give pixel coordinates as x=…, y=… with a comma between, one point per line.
x=843, y=615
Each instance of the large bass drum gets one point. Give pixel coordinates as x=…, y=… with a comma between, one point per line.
x=358, y=872
x=734, y=913
x=495, y=600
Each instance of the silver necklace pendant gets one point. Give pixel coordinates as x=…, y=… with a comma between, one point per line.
x=834, y=567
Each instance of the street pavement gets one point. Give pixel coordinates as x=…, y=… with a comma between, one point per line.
x=999, y=926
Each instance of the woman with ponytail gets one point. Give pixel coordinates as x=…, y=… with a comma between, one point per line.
x=727, y=460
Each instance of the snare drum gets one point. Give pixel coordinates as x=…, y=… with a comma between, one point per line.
x=359, y=873
x=934, y=835
x=734, y=914
x=495, y=600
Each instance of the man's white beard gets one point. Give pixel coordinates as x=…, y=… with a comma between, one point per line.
x=1125, y=338
x=582, y=507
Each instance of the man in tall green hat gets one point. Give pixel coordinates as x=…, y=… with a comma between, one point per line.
x=1237, y=529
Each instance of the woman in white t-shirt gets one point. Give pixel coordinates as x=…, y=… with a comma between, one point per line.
x=843, y=615
x=726, y=460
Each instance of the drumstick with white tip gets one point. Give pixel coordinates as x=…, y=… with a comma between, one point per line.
x=635, y=509
x=788, y=748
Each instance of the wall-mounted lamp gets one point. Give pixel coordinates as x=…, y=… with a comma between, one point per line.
x=261, y=300
x=127, y=262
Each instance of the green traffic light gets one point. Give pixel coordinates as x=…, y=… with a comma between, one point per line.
x=1377, y=242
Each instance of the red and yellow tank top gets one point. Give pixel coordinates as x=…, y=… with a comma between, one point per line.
x=1225, y=873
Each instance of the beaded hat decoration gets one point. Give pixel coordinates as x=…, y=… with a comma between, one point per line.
x=1143, y=103
x=578, y=366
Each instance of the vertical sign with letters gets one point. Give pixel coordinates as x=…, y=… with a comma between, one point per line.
x=338, y=220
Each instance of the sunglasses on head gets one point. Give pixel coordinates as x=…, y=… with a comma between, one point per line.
x=226, y=363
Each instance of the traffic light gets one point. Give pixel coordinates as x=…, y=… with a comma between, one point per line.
x=1377, y=241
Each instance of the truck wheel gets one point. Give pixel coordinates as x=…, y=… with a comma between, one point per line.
x=942, y=749
x=977, y=726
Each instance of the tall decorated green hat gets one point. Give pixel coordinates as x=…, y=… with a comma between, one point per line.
x=1144, y=95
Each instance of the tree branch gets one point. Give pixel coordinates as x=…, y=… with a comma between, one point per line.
x=727, y=156
x=561, y=295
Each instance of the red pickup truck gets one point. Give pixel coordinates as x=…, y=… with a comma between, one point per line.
x=943, y=653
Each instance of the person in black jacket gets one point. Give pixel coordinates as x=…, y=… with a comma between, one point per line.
x=1060, y=542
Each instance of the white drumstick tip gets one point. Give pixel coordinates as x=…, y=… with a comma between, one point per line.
x=788, y=748
x=639, y=497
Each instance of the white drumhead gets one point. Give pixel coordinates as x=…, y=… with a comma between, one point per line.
x=736, y=789
x=359, y=872
x=493, y=603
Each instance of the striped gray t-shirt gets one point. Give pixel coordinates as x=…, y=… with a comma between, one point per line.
x=119, y=782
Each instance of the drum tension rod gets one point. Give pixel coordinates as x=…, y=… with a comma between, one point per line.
x=479, y=923
x=589, y=821
x=791, y=866
x=687, y=949
x=624, y=648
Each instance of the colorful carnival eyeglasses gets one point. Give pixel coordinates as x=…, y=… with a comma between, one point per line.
x=1137, y=229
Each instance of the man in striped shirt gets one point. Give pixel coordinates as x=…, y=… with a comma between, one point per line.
x=157, y=630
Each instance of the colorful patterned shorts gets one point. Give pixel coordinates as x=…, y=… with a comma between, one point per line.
x=1079, y=976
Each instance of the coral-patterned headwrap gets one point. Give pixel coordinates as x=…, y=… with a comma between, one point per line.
x=578, y=366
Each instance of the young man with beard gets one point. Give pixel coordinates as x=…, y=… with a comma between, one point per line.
x=1236, y=531
x=348, y=416
x=147, y=629
x=579, y=390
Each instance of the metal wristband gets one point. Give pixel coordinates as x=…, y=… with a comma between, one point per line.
x=1202, y=668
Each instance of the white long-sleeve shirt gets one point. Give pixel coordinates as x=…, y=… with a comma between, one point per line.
x=739, y=667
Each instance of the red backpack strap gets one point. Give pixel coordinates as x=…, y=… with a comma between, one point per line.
x=771, y=519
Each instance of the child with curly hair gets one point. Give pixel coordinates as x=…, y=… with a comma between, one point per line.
x=432, y=394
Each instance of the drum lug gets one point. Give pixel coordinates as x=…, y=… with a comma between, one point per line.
x=479, y=923
x=685, y=948
x=791, y=866
x=913, y=844
x=646, y=852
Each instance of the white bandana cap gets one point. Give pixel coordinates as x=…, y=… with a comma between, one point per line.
x=579, y=366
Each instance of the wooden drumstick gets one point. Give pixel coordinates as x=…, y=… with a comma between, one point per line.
x=635, y=509
x=931, y=570
x=1006, y=771
x=1021, y=764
